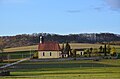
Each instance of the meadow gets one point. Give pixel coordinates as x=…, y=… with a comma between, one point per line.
x=74, y=69
x=80, y=69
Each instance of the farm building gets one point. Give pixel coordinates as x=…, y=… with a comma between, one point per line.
x=79, y=52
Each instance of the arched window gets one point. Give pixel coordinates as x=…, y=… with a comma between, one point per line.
x=43, y=53
x=50, y=54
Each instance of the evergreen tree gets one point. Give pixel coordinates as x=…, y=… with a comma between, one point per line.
x=68, y=49
x=62, y=49
x=105, y=53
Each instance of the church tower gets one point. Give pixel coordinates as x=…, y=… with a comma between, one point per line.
x=41, y=40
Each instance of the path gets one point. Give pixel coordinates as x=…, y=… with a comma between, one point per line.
x=9, y=65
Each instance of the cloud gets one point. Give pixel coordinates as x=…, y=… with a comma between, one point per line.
x=114, y=4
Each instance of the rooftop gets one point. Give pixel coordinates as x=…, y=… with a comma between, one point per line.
x=49, y=46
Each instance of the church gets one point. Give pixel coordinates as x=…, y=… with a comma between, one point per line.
x=48, y=49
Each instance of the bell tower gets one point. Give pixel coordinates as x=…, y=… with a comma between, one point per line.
x=41, y=40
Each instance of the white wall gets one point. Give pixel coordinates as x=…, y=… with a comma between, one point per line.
x=80, y=52
x=54, y=54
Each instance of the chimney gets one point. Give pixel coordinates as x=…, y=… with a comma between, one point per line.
x=41, y=39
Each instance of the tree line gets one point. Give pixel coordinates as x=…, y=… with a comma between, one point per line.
x=104, y=51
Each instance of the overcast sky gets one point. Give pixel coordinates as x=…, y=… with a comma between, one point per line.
x=59, y=16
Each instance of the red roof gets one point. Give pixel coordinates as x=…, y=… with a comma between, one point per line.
x=49, y=46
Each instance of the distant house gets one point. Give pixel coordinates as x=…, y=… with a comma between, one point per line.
x=64, y=54
x=79, y=52
x=48, y=49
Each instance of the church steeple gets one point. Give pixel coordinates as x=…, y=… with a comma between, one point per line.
x=41, y=39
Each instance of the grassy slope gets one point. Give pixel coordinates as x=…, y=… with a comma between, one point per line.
x=29, y=49
x=73, y=46
x=24, y=48
x=104, y=69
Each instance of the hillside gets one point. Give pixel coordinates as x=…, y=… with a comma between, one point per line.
x=73, y=46
x=33, y=39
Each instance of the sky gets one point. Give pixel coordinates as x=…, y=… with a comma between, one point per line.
x=59, y=16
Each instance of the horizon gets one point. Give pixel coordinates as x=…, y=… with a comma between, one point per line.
x=62, y=17
x=58, y=33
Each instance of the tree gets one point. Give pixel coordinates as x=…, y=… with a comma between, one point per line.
x=95, y=51
x=74, y=52
x=2, y=45
x=68, y=49
x=91, y=49
x=113, y=51
x=101, y=49
x=105, y=53
x=62, y=49
x=108, y=48
x=35, y=55
x=86, y=51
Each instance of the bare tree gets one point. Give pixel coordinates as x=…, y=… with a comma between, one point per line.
x=2, y=44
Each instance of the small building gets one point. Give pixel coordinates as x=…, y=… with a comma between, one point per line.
x=79, y=52
x=48, y=49
x=64, y=55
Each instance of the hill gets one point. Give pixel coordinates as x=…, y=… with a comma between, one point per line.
x=73, y=46
x=33, y=39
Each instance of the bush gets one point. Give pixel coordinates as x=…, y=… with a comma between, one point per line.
x=5, y=73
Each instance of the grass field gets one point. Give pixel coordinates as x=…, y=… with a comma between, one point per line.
x=82, y=69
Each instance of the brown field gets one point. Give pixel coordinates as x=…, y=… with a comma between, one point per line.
x=73, y=46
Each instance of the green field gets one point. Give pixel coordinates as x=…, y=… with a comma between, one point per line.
x=82, y=69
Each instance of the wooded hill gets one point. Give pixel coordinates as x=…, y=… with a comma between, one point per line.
x=33, y=39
